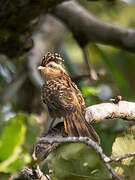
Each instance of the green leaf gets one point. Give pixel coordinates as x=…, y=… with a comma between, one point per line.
x=123, y=144
x=20, y=160
x=33, y=131
x=11, y=141
x=12, y=136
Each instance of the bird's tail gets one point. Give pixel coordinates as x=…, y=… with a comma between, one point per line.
x=76, y=125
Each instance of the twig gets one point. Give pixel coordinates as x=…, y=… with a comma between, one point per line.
x=91, y=70
x=88, y=142
x=119, y=158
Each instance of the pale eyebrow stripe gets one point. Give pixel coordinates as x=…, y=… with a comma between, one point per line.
x=57, y=65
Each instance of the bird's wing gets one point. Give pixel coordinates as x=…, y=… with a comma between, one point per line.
x=58, y=97
x=63, y=99
x=79, y=97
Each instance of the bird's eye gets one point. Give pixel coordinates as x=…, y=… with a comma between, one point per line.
x=51, y=66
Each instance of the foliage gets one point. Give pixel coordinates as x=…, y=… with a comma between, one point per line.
x=76, y=161
x=22, y=112
x=16, y=143
x=11, y=142
x=125, y=143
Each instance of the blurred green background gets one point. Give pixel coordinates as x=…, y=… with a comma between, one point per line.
x=23, y=117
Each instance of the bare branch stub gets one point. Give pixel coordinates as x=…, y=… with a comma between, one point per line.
x=116, y=100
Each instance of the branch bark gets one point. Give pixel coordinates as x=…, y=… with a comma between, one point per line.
x=99, y=112
x=87, y=27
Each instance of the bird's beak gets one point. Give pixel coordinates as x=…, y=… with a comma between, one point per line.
x=40, y=67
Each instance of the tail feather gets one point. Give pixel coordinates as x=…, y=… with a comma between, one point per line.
x=76, y=125
x=70, y=128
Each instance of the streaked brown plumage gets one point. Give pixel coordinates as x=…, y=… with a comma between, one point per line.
x=63, y=98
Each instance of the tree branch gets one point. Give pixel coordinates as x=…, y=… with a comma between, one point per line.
x=99, y=112
x=88, y=142
x=87, y=27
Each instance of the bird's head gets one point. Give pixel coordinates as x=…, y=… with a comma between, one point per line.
x=51, y=65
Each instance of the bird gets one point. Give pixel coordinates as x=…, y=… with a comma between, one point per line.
x=63, y=98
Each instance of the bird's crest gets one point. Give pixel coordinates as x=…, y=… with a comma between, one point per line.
x=51, y=57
